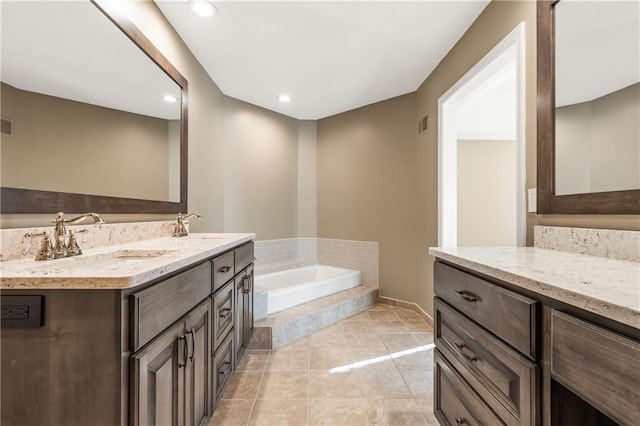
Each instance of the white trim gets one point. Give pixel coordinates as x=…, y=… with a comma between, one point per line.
x=447, y=103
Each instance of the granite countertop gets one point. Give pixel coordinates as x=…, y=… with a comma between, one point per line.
x=117, y=266
x=604, y=286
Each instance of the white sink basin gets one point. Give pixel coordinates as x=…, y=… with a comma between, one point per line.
x=102, y=261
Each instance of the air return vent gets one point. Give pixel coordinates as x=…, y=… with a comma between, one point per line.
x=423, y=125
x=6, y=127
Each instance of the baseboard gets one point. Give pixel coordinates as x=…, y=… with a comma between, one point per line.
x=407, y=305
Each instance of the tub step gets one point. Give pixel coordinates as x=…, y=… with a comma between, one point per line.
x=284, y=327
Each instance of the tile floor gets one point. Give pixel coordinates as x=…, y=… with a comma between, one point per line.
x=374, y=368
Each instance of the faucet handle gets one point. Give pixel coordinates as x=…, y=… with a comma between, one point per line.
x=46, y=249
x=181, y=230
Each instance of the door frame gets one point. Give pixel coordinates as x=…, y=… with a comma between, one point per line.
x=447, y=140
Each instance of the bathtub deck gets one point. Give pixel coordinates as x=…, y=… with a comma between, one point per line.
x=284, y=327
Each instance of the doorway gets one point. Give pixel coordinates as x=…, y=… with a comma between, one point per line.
x=481, y=151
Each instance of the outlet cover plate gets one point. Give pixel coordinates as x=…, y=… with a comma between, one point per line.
x=21, y=311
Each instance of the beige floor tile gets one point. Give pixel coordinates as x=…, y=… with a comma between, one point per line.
x=420, y=382
x=366, y=341
x=418, y=360
x=280, y=413
x=254, y=360
x=425, y=405
x=323, y=384
x=375, y=381
x=357, y=328
x=396, y=412
x=389, y=327
x=326, y=360
x=232, y=412
x=327, y=341
x=365, y=356
x=362, y=316
x=406, y=315
x=424, y=338
x=289, y=360
x=331, y=329
x=284, y=385
x=348, y=412
x=243, y=385
x=380, y=307
x=396, y=342
x=385, y=315
x=297, y=345
x=418, y=326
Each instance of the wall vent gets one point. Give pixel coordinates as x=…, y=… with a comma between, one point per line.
x=423, y=125
x=6, y=127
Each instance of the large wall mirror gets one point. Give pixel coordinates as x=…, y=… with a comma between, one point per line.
x=588, y=107
x=94, y=118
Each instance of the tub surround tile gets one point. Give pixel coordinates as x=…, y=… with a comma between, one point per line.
x=604, y=286
x=287, y=253
x=65, y=273
x=611, y=243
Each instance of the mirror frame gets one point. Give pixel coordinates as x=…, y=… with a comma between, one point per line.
x=612, y=202
x=17, y=200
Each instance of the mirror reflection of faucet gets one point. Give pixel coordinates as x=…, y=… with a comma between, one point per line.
x=61, y=246
x=181, y=230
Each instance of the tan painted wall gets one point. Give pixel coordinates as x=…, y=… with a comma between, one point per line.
x=598, y=143
x=487, y=193
x=261, y=166
x=367, y=187
x=307, y=179
x=68, y=146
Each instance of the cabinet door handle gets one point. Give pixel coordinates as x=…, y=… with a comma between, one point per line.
x=461, y=347
x=224, y=269
x=193, y=344
x=246, y=284
x=467, y=296
x=224, y=368
x=224, y=312
x=182, y=350
x=460, y=421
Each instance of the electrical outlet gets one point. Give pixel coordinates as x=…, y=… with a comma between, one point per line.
x=15, y=312
x=21, y=311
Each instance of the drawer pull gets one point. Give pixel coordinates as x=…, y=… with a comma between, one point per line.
x=246, y=284
x=224, y=269
x=182, y=351
x=461, y=347
x=467, y=296
x=460, y=421
x=193, y=344
x=224, y=368
x=224, y=312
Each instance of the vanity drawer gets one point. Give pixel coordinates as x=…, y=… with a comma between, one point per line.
x=157, y=307
x=508, y=315
x=223, y=269
x=506, y=380
x=455, y=402
x=222, y=367
x=244, y=256
x=223, y=314
x=600, y=366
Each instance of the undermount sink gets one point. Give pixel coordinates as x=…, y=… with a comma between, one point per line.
x=101, y=261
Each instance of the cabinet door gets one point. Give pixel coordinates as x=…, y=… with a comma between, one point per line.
x=157, y=374
x=240, y=316
x=197, y=377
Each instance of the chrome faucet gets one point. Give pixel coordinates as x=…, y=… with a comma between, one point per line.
x=181, y=230
x=63, y=247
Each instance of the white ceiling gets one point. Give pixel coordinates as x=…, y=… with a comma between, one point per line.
x=597, y=48
x=330, y=57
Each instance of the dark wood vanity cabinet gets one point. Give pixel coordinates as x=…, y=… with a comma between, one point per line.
x=170, y=376
x=506, y=355
x=160, y=353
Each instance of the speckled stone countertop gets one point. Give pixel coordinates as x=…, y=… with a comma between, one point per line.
x=607, y=287
x=117, y=266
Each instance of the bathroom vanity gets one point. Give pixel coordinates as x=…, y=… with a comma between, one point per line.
x=528, y=336
x=142, y=333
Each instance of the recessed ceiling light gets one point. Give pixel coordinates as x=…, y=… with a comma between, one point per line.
x=170, y=98
x=203, y=8
x=284, y=98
